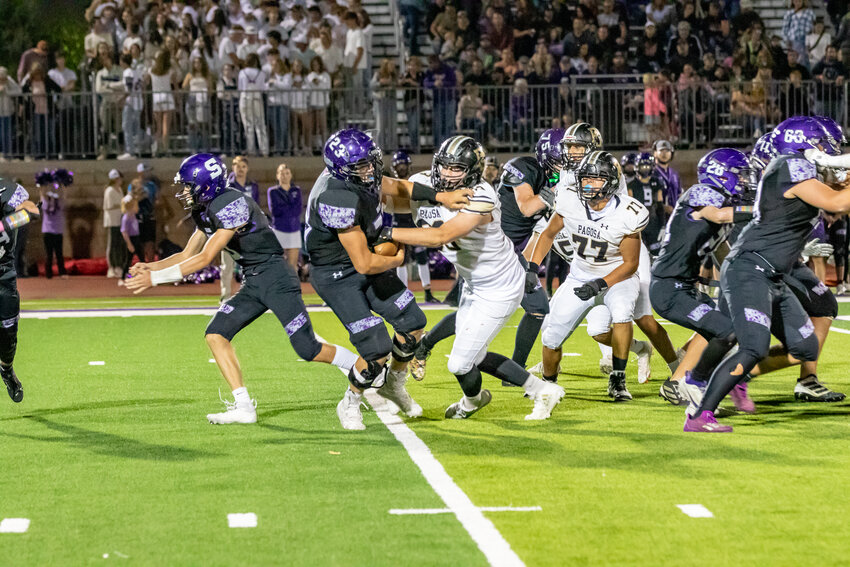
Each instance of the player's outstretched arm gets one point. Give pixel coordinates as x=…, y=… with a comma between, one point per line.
x=403, y=191
x=195, y=245
x=174, y=273
x=365, y=261
x=23, y=215
x=457, y=227
x=529, y=204
x=822, y=196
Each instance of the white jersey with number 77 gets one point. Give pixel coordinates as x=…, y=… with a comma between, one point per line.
x=596, y=235
x=485, y=257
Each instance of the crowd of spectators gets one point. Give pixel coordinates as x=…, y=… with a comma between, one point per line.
x=681, y=63
x=257, y=75
x=274, y=76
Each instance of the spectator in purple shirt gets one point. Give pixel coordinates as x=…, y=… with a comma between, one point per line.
x=130, y=232
x=441, y=79
x=53, y=226
x=663, y=151
x=285, y=208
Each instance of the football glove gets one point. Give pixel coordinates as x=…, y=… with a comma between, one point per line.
x=548, y=196
x=817, y=249
x=532, y=280
x=590, y=289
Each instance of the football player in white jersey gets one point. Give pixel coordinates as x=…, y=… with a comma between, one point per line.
x=494, y=280
x=604, y=230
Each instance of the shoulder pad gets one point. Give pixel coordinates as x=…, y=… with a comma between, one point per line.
x=483, y=199
x=701, y=195
x=234, y=213
x=635, y=215
x=800, y=169
x=337, y=208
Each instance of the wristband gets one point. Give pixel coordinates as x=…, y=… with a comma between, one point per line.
x=421, y=192
x=742, y=213
x=168, y=275
x=532, y=267
x=15, y=221
x=601, y=283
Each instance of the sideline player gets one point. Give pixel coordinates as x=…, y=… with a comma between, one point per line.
x=649, y=190
x=231, y=222
x=753, y=274
x=17, y=211
x=604, y=230
x=344, y=218
x=494, y=281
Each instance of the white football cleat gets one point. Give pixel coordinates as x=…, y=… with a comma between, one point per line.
x=537, y=369
x=348, y=411
x=545, y=402
x=394, y=391
x=235, y=413
x=644, y=356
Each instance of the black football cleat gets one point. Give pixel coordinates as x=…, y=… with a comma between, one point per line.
x=429, y=297
x=13, y=385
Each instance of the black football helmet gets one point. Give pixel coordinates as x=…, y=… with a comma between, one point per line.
x=598, y=165
x=458, y=151
x=579, y=134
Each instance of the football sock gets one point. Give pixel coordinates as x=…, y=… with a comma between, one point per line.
x=712, y=355
x=425, y=275
x=722, y=381
x=505, y=369
x=444, y=328
x=469, y=403
x=526, y=334
x=551, y=378
x=636, y=346
x=353, y=396
x=619, y=364
x=673, y=366
x=533, y=385
x=607, y=351
x=470, y=382
x=344, y=358
x=401, y=271
x=241, y=397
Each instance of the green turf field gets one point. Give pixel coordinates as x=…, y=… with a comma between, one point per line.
x=118, y=459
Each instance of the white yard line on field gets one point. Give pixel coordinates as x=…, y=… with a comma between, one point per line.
x=429, y=511
x=14, y=525
x=482, y=531
x=695, y=510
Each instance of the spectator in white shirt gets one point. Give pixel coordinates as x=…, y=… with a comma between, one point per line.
x=110, y=88
x=115, y=249
x=319, y=83
x=98, y=34
x=817, y=41
x=279, y=84
x=251, y=43
x=252, y=83
x=330, y=53
x=67, y=81
x=133, y=81
x=9, y=91
x=354, y=65
x=228, y=46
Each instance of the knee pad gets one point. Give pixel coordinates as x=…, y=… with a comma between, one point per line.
x=805, y=350
x=373, y=343
x=373, y=376
x=411, y=319
x=460, y=366
x=403, y=351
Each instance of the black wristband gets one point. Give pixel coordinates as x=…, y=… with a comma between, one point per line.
x=742, y=214
x=601, y=283
x=532, y=267
x=421, y=192
x=386, y=234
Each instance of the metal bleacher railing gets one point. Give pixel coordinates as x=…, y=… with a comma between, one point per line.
x=628, y=111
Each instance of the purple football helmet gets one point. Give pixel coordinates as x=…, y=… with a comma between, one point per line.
x=726, y=169
x=833, y=128
x=629, y=159
x=400, y=157
x=800, y=133
x=645, y=164
x=350, y=150
x=548, y=150
x=762, y=153
x=203, y=177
